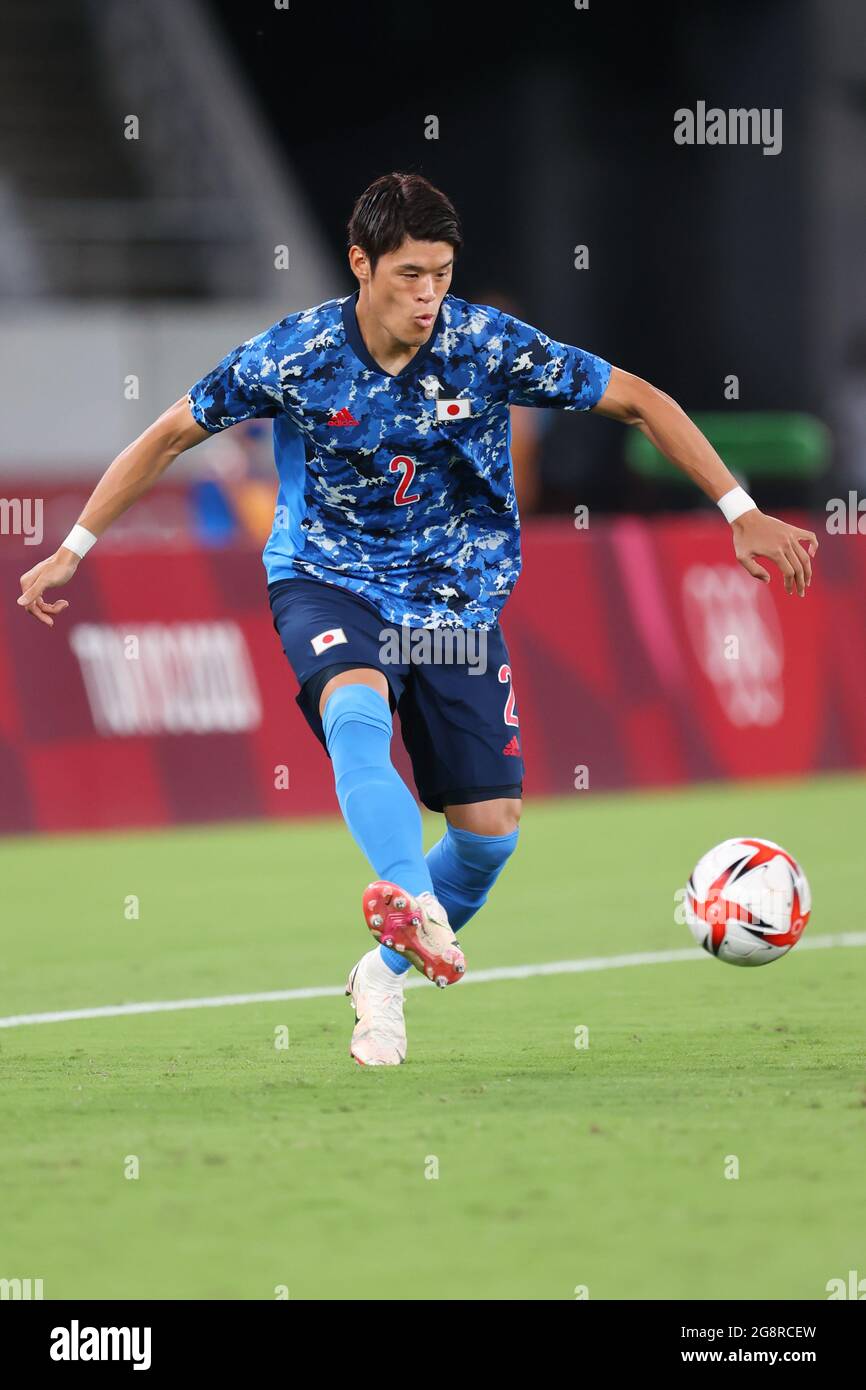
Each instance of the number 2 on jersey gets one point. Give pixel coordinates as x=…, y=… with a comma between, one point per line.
x=505, y=679
x=408, y=466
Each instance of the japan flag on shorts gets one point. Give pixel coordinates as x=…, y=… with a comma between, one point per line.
x=326, y=640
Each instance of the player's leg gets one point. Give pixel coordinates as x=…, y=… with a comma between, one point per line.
x=384, y=820
x=461, y=727
x=332, y=640
x=383, y=816
x=377, y=806
x=479, y=839
x=348, y=706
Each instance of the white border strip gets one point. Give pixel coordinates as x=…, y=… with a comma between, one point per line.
x=478, y=977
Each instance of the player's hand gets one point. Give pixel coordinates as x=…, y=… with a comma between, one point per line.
x=789, y=547
x=48, y=574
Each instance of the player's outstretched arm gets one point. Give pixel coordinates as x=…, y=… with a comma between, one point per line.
x=635, y=402
x=132, y=473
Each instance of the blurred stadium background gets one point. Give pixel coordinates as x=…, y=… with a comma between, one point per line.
x=176, y=175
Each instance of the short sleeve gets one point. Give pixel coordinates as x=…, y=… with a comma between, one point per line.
x=537, y=370
x=245, y=385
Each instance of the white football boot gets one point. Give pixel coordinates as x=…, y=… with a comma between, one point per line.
x=379, y=1035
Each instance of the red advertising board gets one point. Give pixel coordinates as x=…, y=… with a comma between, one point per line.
x=642, y=654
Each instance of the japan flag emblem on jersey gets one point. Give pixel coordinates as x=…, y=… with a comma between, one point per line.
x=326, y=640
x=453, y=410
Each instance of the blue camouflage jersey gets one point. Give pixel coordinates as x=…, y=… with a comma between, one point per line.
x=398, y=487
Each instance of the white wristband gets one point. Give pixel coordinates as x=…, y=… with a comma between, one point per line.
x=79, y=540
x=735, y=502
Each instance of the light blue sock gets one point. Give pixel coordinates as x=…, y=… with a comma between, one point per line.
x=464, y=867
x=377, y=806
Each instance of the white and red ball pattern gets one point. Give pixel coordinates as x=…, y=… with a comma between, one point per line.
x=747, y=902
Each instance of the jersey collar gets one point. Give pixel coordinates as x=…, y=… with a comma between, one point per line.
x=359, y=347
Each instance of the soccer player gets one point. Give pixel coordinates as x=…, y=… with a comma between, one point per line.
x=396, y=515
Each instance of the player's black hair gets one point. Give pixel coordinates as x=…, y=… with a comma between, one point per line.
x=399, y=205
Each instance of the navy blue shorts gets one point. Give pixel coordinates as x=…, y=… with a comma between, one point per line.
x=452, y=689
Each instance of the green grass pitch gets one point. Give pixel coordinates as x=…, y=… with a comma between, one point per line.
x=558, y=1167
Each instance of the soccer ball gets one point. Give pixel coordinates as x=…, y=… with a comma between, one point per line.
x=747, y=902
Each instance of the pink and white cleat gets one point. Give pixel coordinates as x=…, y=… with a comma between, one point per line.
x=417, y=928
x=379, y=1036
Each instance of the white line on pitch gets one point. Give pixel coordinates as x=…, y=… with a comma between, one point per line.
x=477, y=977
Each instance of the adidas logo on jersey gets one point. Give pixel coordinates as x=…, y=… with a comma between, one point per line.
x=512, y=748
x=343, y=417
